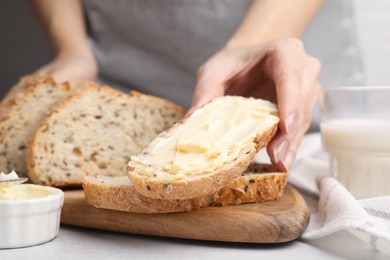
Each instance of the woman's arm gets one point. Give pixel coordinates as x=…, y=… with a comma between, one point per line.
x=64, y=23
x=271, y=19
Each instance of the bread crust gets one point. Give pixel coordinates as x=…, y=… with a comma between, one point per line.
x=266, y=186
x=204, y=184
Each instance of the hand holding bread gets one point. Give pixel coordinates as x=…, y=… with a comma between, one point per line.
x=279, y=71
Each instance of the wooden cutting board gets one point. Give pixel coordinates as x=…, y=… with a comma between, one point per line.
x=270, y=222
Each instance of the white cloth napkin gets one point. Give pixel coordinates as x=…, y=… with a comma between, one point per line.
x=336, y=209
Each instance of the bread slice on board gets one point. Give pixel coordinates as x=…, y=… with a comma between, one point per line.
x=95, y=132
x=26, y=105
x=259, y=183
x=206, y=151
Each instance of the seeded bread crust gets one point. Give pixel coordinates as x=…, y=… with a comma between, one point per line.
x=200, y=185
x=94, y=132
x=259, y=183
x=26, y=107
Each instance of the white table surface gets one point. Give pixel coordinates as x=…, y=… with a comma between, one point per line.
x=82, y=243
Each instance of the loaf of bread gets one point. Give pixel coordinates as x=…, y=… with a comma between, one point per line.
x=206, y=151
x=30, y=101
x=259, y=183
x=94, y=132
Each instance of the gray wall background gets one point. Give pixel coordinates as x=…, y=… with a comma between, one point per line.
x=23, y=44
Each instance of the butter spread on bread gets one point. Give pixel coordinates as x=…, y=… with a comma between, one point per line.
x=205, y=151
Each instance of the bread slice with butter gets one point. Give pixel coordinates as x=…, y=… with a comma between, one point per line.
x=95, y=132
x=206, y=151
x=259, y=183
x=29, y=102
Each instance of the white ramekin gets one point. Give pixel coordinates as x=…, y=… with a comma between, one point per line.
x=30, y=222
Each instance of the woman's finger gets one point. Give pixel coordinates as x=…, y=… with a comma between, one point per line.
x=285, y=66
x=310, y=90
x=204, y=93
x=284, y=146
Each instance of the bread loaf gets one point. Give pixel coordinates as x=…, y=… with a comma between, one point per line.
x=206, y=151
x=23, y=108
x=94, y=132
x=259, y=183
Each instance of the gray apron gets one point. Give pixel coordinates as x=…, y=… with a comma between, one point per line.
x=156, y=46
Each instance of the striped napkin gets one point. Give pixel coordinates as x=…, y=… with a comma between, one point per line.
x=336, y=209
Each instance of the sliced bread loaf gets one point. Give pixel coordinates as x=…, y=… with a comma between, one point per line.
x=259, y=183
x=95, y=132
x=206, y=151
x=25, y=107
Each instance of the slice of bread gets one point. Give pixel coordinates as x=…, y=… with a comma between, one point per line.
x=25, y=106
x=17, y=92
x=259, y=183
x=94, y=132
x=206, y=151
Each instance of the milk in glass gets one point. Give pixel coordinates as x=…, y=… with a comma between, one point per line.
x=360, y=154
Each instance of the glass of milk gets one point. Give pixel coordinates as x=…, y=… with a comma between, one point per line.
x=355, y=130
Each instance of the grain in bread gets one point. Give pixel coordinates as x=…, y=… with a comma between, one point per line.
x=259, y=183
x=94, y=132
x=206, y=151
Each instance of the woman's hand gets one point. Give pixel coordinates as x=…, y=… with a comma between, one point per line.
x=71, y=66
x=279, y=71
x=64, y=23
